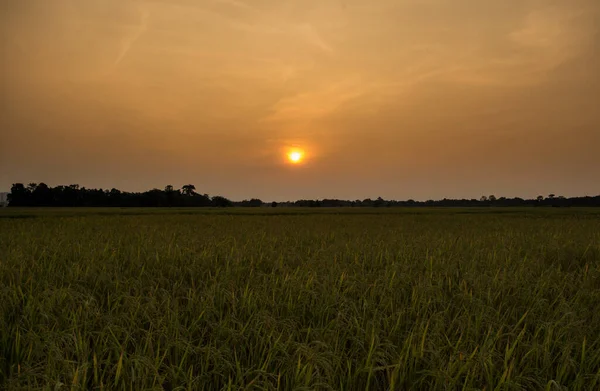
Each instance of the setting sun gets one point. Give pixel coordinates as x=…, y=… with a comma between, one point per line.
x=295, y=156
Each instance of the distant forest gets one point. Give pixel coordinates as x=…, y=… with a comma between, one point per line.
x=73, y=195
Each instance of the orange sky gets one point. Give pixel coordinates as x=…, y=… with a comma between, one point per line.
x=394, y=98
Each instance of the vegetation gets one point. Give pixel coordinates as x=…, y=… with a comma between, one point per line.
x=276, y=298
x=68, y=196
x=73, y=195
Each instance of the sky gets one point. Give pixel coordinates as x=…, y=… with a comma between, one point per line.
x=420, y=99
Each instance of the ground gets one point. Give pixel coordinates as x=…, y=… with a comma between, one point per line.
x=277, y=298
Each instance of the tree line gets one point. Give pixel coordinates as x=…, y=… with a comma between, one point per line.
x=35, y=194
x=73, y=195
x=549, y=201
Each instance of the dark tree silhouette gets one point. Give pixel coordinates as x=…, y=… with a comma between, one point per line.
x=188, y=190
x=254, y=203
x=221, y=202
x=19, y=195
x=42, y=195
x=73, y=196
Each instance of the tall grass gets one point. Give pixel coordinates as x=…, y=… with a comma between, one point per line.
x=386, y=301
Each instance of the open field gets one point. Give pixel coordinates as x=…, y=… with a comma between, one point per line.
x=274, y=298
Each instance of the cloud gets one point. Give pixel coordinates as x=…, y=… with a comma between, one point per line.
x=130, y=40
x=552, y=34
x=311, y=35
x=308, y=105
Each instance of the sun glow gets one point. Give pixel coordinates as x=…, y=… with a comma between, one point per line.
x=295, y=156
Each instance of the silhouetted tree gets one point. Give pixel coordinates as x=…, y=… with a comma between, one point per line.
x=221, y=202
x=42, y=195
x=254, y=202
x=114, y=197
x=379, y=202
x=188, y=190
x=170, y=193
x=19, y=195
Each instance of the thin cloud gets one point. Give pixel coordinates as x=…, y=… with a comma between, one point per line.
x=552, y=35
x=309, y=105
x=311, y=35
x=130, y=41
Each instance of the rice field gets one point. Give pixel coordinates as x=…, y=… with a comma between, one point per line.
x=300, y=299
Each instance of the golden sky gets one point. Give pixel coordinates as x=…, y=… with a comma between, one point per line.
x=394, y=98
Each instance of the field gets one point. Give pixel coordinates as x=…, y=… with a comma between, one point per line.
x=303, y=299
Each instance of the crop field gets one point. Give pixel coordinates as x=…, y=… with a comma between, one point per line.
x=300, y=299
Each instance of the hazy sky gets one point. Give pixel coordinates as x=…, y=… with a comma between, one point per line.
x=394, y=98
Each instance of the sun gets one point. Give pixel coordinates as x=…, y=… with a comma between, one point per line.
x=295, y=156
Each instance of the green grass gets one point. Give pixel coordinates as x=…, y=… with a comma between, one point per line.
x=304, y=299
